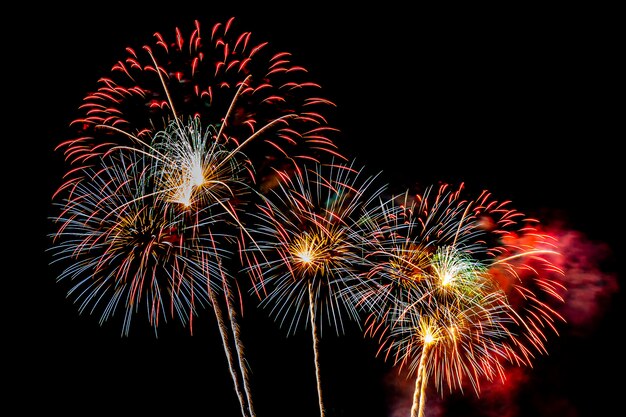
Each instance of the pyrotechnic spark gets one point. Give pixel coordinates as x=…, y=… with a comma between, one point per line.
x=310, y=247
x=187, y=108
x=121, y=218
x=125, y=247
x=478, y=273
x=197, y=169
x=306, y=230
x=198, y=76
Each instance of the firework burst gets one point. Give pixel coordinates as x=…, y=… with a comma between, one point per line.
x=225, y=79
x=137, y=227
x=310, y=247
x=150, y=212
x=458, y=288
x=125, y=247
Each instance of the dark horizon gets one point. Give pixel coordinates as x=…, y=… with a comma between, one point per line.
x=516, y=105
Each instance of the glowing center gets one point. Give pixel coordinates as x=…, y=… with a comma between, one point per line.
x=184, y=195
x=429, y=337
x=447, y=278
x=305, y=256
x=197, y=175
x=310, y=254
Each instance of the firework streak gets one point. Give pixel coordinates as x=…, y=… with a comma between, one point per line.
x=168, y=151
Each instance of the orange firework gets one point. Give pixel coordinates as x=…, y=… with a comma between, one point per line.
x=458, y=288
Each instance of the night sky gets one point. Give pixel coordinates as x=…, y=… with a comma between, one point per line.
x=518, y=102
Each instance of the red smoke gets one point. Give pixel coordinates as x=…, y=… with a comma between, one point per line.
x=589, y=287
x=399, y=391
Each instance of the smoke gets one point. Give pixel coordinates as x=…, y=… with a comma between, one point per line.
x=496, y=399
x=589, y=286
x=522, y=393
x=501, y=398
x=399, y=391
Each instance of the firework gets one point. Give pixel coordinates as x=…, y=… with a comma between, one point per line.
x=127, y=248
x=458, y=288
x=225, y=79
x=310, y=247
x=158, y=179
x=137, y=227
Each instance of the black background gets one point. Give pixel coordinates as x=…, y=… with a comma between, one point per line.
x=520, y=102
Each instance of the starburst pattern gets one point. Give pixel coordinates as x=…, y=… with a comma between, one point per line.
x=458, y=287
x=126, y=247
x=308, y=247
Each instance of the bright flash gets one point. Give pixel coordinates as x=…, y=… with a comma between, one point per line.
x=197, y=175
x=310, y=253
x=429, y=337
x=447, y=278
x=305, y=256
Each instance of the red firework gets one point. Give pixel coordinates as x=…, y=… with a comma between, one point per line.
x=223, y=77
